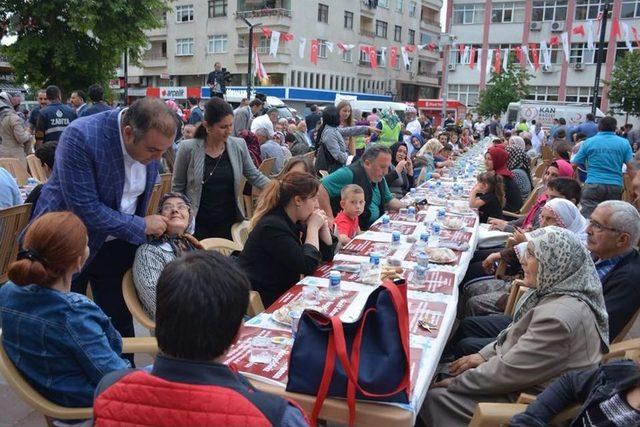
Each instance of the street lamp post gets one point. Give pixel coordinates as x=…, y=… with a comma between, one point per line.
x=249, y=55
x=600, y=58
x=445, y=43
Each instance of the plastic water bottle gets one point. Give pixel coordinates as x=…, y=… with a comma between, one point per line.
x=435, y=230
x=442, y=212
x=419, y=275
x=423, y=260
x=413, y=192
x=386, y=225
x=424, y=240
x=411, y=213
x=395, y=239
x=374, y=263
x=334, y=282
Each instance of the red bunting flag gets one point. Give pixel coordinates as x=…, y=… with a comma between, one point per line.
x=315, y=47
x=461, y=49
x=634, y=30
x=431, y=47
x=410, y=48
x=286, y=37
x=393, y=56
x=373, y=57
x=554, y=41
x=497, y=62
x=615, y=29
x=579, y=30
x=520, y=56
x=472, y=58
x=266, y=31
x=534, y=54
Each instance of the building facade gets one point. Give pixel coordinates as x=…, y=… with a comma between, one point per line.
x=198, y=33
x=493, y=25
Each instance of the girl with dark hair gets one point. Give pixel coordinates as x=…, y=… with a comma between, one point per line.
x=331, y=149
x=487, y=196
x=60, y=341
x=290, y=236
x=209, y=169
x=400, y=176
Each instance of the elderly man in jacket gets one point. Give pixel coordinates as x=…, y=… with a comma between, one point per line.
x=15, y=139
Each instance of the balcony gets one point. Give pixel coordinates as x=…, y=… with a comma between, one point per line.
x=430, y=24
x=368, y=7
x=429, y=55
x=367, y=33
x=283, y=57
x=428, y=78
x=157, y=32
x=268, y=17
x=154, y=61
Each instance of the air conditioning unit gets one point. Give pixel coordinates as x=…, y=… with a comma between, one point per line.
x=535, y=26
x=547, y=68
x=452, y=67
x=557, y=26
x=578, y=66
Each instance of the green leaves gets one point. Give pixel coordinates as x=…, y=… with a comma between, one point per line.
x=508, y=86
x=75, y=43
x=624, y=86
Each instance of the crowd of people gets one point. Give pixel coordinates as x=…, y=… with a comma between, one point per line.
x=574, y=247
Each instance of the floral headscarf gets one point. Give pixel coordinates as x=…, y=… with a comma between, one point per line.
x=432, y=147
x=564, y=268
x=517, y=141
x=181, y=243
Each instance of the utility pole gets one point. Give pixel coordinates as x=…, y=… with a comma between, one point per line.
x=249, y=55
x=446, y=40
x=600, y=59
x=126, y=76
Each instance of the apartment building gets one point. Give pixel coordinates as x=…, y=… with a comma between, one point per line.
x=197, y=33
x=493, y=25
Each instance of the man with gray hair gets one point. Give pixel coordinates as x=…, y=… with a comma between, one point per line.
x=269, y=148
x=15, y=139
x=612, y=234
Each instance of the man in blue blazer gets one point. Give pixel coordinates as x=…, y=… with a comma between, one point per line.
x=106, y=167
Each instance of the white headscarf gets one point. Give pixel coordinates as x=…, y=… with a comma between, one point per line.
x=569, y=217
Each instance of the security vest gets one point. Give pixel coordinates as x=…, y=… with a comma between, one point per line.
x=388, y=135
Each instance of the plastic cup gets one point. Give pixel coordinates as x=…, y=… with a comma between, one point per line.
x=260, y=350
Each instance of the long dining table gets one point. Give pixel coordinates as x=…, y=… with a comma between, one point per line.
x=433, y=299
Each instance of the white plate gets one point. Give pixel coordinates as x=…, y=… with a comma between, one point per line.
x=446, y=255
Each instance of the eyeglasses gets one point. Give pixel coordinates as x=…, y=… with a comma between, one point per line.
x=171, y=208
x=596, y=226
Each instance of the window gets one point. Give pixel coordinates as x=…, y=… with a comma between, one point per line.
x=381, y=29
x=184, y=13
x=425, y=38
x=543, y=93
x=397, y=67
x=382, y=60
x=383, y=3
x=412, y=8
x=364, y=58
x=412, y=36
x=399, y=5
x=184, y=47
x=467, y=94
x=468, y=13
x=322, y=52
x=218, y=44
x=323, y=13
x=630, y=9
x=582, y=54
x=348, y=20
x=581, y=94
x=507, y=12
x=588, y=9
x=549, y=10
x=347, y=55
x=397, y=34
x=217, y=8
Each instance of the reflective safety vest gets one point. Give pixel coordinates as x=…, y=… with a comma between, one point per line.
x=388, y=136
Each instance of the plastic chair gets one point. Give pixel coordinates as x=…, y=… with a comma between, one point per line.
x=16, y=169
x=52, y=411
x=165, y=183
x=267, y=166
x=154, y=200
x=515, y=293
x=12, y=222
x=132, y=301
x=255, y=304
x=37, y=169
x=240, y=232
x=222, y=246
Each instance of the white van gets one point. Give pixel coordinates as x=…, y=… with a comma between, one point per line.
x=545, y=111
x=234, y=96
x=367, y=106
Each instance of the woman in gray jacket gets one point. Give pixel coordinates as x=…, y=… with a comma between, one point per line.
x=331, y=149
x=209, y=170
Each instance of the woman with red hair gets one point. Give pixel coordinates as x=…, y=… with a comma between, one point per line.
x=496, y=160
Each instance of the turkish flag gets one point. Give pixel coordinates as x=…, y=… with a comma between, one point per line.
x=615, y=29
x=266, y=31
x=410, y=48
x=497, y=63
x=373, y=57
x=579, y=30
x=536, y=57
x=461, y=50
x=431, y=47
x=287, y=37
x=315, y=47
x=393, y=54
x=554, y=41
x=472, y=57
x=634, y=30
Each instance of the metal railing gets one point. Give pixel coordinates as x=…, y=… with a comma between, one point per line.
x=367, y=33
x=259, y=13
x=153, y=57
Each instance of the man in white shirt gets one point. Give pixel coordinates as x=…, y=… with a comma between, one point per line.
x=105, y=170
x=413, y=125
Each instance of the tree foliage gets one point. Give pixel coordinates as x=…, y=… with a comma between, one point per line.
x=624, y=86
x=75, y=43
x=508, y=86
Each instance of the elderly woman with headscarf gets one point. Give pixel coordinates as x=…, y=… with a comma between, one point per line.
x=390, y=129
x=152, y=257
x=559, y=325
x=519, y=165
x=425, y=157
x=15, y=139
x=496, y=159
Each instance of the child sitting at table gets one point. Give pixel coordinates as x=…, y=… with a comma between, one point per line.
x=487, y=196
x=352, y=204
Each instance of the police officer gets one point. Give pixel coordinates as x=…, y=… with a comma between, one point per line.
x=54, y=118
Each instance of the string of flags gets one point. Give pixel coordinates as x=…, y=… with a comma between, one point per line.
x=532, y=55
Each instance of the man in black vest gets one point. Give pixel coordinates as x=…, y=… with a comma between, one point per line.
x=54, y=118
x=368, y=173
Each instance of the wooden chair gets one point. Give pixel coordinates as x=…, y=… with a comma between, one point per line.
x=527, y=205
x=311, y=156
x=16, y=169
x=12, y=222
x=623, y=333
x=515, y=293
x=37, y=169
x=499, y=414
x=240, y=232
x=547, y=154
x=51, y=410
x=132, y=301
x=165, y=183
x=223, y=246
x=267, y=166
x=502, y=265
x=154, y=200
x=538, y=172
